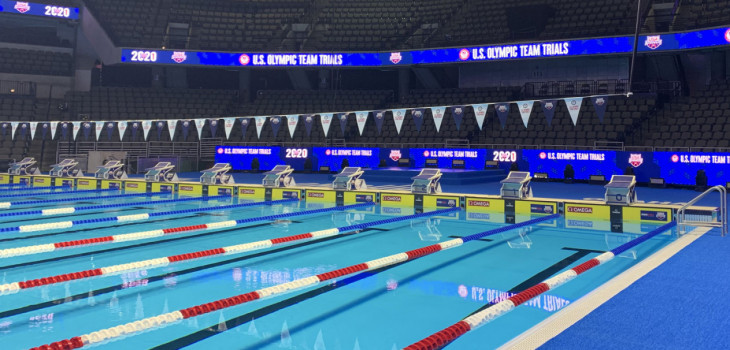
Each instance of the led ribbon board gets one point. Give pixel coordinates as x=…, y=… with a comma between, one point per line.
x=44, y=10
x=705, y=38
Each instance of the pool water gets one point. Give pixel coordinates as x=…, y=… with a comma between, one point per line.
x=382, y=309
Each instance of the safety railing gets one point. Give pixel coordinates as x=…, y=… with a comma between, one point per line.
x=685, y=219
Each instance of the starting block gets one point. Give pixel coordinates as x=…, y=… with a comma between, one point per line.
x=621, y=190
x=162, y=172
x=516, y=185
x=24, y=167
x=66, y=168
x=112, y=170
x=427, y=182
x=349, y=179
x=280, y=176
x=217, y=175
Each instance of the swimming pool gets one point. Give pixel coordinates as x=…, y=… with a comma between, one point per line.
x=386, y=308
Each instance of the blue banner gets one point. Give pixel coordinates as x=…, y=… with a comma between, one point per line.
x=213, y=127
x=244, y=126
x=342, y=117
x=31, y=8
x=379, y=118
x=109, y=130
x=185, y=129
x=502, y=110
x=417, y=115
x=457, y=112
x=275, y=123
x=87, y=131
x=308, y=122
x=600, y=102
x=548, y=108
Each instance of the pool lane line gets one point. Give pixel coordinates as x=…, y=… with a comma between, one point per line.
x=7, y=205
x=172, y=317
x=142, y=235
x=71, y=210
x=14, y=287
x=134, y=217
x=17, y=195
x=15, y=187
x=73, y=215
x=444, y=337
x=105, y=290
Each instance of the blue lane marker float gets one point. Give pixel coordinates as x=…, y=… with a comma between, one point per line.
x=71, y=199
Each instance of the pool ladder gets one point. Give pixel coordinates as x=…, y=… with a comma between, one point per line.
x=684, y=219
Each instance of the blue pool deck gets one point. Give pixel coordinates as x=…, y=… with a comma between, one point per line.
x=679, y=305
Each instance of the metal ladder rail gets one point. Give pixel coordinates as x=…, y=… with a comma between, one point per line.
x=722, y=223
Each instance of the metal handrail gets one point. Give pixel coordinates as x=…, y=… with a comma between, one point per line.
x=721, y=222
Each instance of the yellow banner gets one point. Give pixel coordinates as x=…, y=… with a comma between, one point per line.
x=533, y=207
x=107, y=184
x=284, y=193
x=654, y=215
x=133, y=186
x=251, y=192
x=42, y=181
x=587, y=211
x=5, y=179
x=221, y=190
x=396, y=200
x=359, y=197
x=484, y=205
x=190, y=189
x=436, y=201
x=320, y=196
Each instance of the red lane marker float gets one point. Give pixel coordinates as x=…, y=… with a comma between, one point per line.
x=442, y=338
x=156, y=321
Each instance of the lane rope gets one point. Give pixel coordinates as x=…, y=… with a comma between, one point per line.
x=130, y=218
x=6, y=205
x=10, y=288
x=16, y=195
x=442, y=338
x=71, y=210
x=25, y=188
x=175, y=316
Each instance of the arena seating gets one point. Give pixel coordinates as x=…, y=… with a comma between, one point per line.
x=35, y=62
x=698, y=121
x=137, y=103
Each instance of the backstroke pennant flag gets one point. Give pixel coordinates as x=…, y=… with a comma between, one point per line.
x=99, y=127
x=110, y=129
x=525, y=108
x=23, y=131
x=185, y=129
x=438, y=116
x=121, y=128
x=213, y=127
x=599, y=103
x=379, y=118
x=417, y=115
x=87, y=131
x=292, y=120
x=259, y=125
x=275, y=124
x=361, y=118
x=171, y=126
x=308, y=122
x=480, y=112
x=53, y=126
x=502, y=110
x=399, y=115
x=5, y=127
x=228, y=126
x=76, y=128
x=33, y=126
x=245, y=122
x=548, y=108
x=574, y=108
x=44, y=130
x=326, y=120
x=160, y=126
x=343, y=121
x=457, y=112
x=146, y=126
x=199, y=124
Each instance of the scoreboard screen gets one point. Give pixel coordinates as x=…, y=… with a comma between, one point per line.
x=242, y=158
x=45, y=10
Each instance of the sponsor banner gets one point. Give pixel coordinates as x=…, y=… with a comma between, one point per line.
x=396, y=211
x=86, y=184
x=133, y=186
x=502, y=110
x=326, y=120
x=525, y=108
x=587, y=211
x=599, y=103
x=399, y=115
x=484, y=205
x=42, y=181
x=361, y=118
x=23, y=180
x=457, y=113
x=530, y=207
x=397, y=200
x=5, y=179
x=599, y=225
x=109, y=184
x=430, y=201
x=359, y=197
x=220, y=191
x=63, y=182
x=438, y=116
x=190, y=189
x=573, y=105
x=251, y=192
x=321, y=196
x=281, y=193
x=647, y=214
